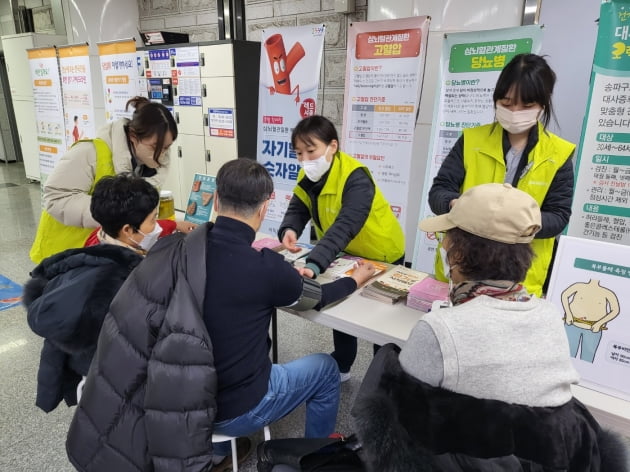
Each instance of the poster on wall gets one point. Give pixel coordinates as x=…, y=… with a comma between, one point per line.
x=76, y=86
x=186, y=76
x=49, y=118
x=470, y=66
x=601, y=201
x=384, y=71
x=201, y=200
x=589, y=284
x=142, y=62
x=119, y=72
x=289, y=79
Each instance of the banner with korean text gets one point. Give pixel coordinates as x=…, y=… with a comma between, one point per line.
x=289, y=79
x=601, y=201
x=48, y=108
x=589, y=284
x=119, y=73
x=384, y=72
x=470, y=66
x=77, y=96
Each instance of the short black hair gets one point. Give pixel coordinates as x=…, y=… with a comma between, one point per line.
x=243, y=185
x=151, y=119
x=314, y=127
x=533, y=81
x=122, y=199
x=479, y=258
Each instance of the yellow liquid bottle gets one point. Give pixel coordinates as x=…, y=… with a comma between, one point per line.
x=167, y=206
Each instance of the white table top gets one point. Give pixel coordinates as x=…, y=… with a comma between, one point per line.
x=368, y=319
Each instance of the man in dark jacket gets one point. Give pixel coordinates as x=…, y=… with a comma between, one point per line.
x=69, y=293
x=184, y=350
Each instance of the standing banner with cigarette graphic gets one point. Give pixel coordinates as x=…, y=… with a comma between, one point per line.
x=48, y=108
x=289, y=81
x=470, y=66
x=384, y=72
x=119, y=72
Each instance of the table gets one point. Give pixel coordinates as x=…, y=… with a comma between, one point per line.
x=372, y=320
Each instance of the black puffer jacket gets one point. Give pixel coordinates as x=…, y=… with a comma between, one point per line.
x=149, y=399
x=408, y=425
x=67, y=299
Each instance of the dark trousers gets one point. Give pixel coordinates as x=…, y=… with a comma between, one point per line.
x=346, y=345
x=346, y=350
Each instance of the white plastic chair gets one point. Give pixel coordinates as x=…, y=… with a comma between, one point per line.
x=80, y=388
x=221, y=438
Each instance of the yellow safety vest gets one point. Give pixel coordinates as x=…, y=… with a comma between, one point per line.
x=484, y=163
x=381, y=238
x=52, y=235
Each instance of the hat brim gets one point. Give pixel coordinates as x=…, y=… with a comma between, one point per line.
x=436, y=224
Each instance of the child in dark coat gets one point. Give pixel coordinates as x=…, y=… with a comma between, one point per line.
x=69, y=293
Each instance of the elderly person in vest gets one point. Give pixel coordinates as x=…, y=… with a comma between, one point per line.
x=349, y=212
x=139, y=146
x=516, y=149
x=484, y=384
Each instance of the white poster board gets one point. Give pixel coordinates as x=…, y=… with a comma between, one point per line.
x=589, y=283
x=76, y=84
x=384, y=73
x=119, y=72
x=48, y=108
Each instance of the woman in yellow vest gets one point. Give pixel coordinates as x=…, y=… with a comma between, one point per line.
x=348, y=211
x=516, y=149
x=139, y=146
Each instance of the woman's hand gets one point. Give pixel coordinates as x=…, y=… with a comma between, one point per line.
x=289, y=240
x=363, y=272
x=185, y=226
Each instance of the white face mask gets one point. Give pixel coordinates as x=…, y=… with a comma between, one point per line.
x=151, y=238
x=446, y=267
x=516, y=122
x=316, y=168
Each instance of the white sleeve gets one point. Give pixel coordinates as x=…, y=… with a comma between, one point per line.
x=66, y=190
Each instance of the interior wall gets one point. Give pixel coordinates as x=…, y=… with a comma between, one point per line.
x=198, y=18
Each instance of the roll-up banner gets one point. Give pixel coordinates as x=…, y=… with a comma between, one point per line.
x=289, y=79
x=384, y=72
x=48, y=108
x=469, y=68
x=601, y=202
x=119, y=72
x=77, y=93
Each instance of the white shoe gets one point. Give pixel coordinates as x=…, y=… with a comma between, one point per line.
x=345, y=376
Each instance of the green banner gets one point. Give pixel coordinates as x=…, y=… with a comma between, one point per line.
x=602, y=267
x=613, y=48
x=486, y=56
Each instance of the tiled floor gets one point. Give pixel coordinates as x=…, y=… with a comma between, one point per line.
x=31, y=440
